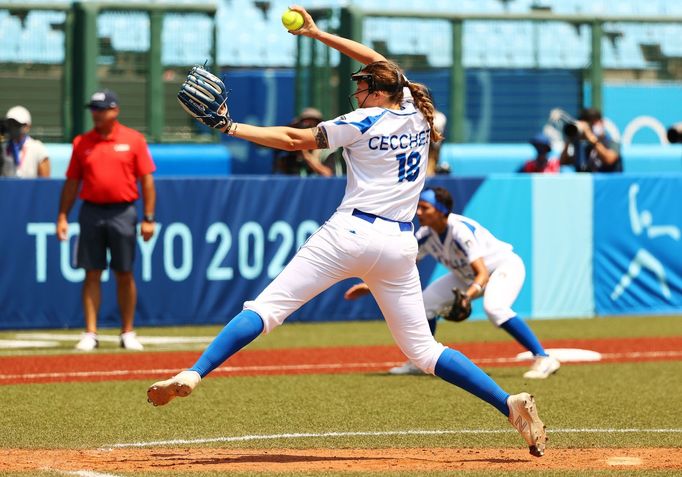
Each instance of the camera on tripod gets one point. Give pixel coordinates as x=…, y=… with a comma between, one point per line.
x=675, y=133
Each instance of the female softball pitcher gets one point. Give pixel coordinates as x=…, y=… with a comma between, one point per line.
x=385, y=145
x=481, y=266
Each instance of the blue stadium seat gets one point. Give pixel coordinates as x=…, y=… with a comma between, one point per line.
x=496, y=44
x=10, y=34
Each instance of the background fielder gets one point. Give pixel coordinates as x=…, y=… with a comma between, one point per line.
x=481, y=265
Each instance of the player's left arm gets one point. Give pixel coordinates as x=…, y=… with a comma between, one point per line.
x=282, y=137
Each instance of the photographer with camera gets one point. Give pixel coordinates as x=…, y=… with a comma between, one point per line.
x=306, y=162
x=22, y=156
x=588, y=147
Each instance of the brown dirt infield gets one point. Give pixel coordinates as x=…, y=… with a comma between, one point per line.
x=122, y=366
x=100, y=366
x=335, y=460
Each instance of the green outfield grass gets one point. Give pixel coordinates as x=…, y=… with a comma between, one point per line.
x=588, y=396
x=84, y=415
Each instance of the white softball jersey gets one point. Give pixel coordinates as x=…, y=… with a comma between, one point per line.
x=386, y=152
x=465, y=241
x=370, y=236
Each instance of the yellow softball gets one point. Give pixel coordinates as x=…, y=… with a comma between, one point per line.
x=292, y=20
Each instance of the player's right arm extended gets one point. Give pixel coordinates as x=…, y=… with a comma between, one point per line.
x=353, y=49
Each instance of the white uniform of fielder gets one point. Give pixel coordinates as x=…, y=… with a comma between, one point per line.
x=463, y=242
x=386, y=151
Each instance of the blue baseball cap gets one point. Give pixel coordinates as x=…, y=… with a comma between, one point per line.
x=105, y=99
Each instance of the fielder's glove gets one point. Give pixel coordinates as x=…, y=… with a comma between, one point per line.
x=461, y=307
x=204, y=96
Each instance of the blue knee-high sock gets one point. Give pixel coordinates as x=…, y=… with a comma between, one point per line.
x=239, y=332
x=432, y=325
x=524, y=335
x=457, y=369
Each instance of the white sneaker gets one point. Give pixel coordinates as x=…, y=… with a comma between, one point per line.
x=542, y=368
x=88, y=342
x=523, y=415
x=407, y=368
x=129, y=341
x=182, y=384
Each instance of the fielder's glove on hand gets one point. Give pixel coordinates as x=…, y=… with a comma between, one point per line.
x=204, y=97
x=461, y=307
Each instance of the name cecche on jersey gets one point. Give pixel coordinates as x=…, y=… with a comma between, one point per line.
x=402, y=141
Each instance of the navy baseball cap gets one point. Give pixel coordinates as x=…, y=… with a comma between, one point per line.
x=105, y=99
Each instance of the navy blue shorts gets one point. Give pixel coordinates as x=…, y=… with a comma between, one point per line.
x=107, y=227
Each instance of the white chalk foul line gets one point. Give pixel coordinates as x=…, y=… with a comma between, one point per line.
x=82, y=473
x=221, y=370
x=300, y=367
x=372, y=434
x=115, y=339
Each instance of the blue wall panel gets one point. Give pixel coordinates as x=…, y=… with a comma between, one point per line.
x=221, y=241
x=638, y=244
x=562, y=246
x=502, y=204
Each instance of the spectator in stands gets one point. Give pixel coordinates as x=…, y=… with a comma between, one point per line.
x=306, y=162
x=22, y=156
x=542, y=162
x=590, y=148
x=109, y=160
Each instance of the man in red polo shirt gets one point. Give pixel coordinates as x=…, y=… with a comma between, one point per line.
x=109, y=161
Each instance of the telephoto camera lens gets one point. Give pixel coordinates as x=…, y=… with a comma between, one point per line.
x=675, y=133
x=571, y=130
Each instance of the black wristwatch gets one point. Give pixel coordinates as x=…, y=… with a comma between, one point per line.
x=148, y=218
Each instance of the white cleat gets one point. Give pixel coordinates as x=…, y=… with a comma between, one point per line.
x=88, y=342
x=129, y=341
x=542, y=368
x=523, y=415
x=405, y=369
x=182, y=385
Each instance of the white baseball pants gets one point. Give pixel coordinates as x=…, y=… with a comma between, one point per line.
x=380, y=254
x=500, y=293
